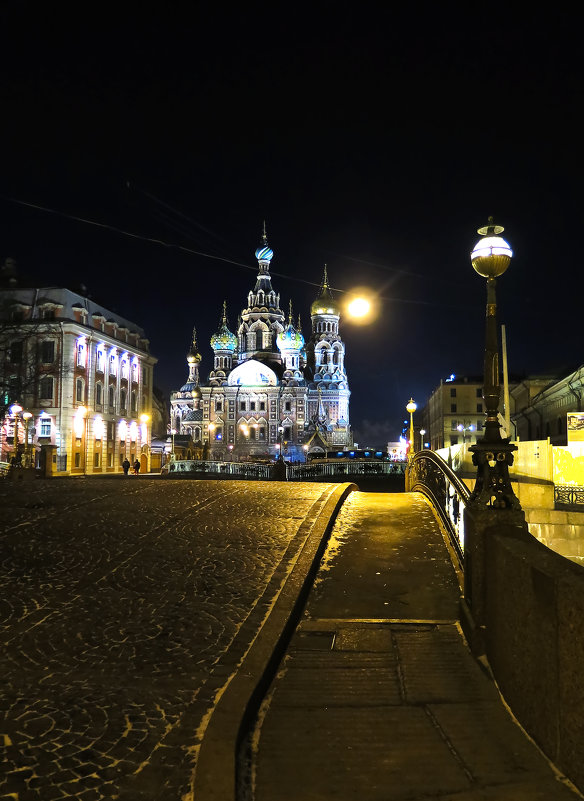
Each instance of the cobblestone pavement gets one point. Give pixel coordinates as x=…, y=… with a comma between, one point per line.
x=119, y=603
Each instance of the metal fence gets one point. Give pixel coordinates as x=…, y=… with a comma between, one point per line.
x=194, y=467
x=428, y=473
x=183, y=468
x=337, y=467
x=565, y=495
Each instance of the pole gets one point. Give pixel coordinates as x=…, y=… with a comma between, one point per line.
x=505, y=383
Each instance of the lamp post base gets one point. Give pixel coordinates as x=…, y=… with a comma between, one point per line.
x=493, y=486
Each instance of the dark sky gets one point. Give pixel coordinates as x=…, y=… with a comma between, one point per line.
x=371, y=139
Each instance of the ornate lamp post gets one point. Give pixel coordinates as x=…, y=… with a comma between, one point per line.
x=492, y=455
x=411, y=408
x=422, y=433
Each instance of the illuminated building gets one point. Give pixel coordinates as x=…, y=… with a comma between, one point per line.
x=269, y=392
x=543, y=403
x=83, y=372
x=454, y=413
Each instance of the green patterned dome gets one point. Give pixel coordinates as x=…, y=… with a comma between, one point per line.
x=224, y=339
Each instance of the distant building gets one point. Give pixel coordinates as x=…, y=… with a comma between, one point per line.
x=455, y=413
x=269, y=392
x=82, y=376
x=542, y=405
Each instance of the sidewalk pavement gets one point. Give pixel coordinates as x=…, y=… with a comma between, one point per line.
x=378, y=697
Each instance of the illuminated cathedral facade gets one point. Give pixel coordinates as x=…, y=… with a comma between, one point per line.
x=270, y=393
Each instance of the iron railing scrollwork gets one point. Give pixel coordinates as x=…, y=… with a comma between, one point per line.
x=566, y=495
x=428, y=473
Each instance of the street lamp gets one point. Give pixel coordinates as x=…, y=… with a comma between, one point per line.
x=27, y=417
x=463, y=428
x=81, y=426
x=422, y=432
x=411, y=408
x=281, y=438
x=492, y=455
x=144, y=444
x=15, y=410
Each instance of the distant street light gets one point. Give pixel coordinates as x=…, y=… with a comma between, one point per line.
x=464, y=427
x=422, y=432
x=15, y=410
x=27, y=417
x=411, y=408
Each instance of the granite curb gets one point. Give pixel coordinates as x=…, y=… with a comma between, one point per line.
x=217, y=768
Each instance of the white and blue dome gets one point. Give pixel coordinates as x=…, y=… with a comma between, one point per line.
x=264, y=253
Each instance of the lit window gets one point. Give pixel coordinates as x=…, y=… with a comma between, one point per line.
x=45, y=427
x=113, y=363
x=123, y=430
x=133, y=431
x=135, y=371
x=100, y=359
x=124, y=367
x=81, y=353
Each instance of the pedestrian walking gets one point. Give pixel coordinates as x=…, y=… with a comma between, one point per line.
x=125, y=466
x=136, y=467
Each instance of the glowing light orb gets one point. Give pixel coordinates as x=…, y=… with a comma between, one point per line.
x=359, y=307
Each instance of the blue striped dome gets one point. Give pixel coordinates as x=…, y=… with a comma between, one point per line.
x=264, y=253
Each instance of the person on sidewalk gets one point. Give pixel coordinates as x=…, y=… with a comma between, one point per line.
x=136, y=467
x=125, y=466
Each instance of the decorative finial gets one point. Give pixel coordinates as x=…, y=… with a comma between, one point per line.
x=224, y=320
x=325, y=282
x=290, y=312
x=264, y=235
x=299, y=325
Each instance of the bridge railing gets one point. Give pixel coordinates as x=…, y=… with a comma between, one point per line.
x=339, y=467
x=428, y=473
x=183, y=467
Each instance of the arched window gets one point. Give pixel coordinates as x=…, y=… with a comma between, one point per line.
x=123, y=399
x=79, y=390
x=133, y=402
x=111, y=396
x=259, y=340
x=98, y=394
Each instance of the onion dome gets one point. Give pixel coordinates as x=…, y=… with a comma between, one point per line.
x=290, y=338
x=325, y=303
x=264, y=252
x=193, y=356
x=224, y=339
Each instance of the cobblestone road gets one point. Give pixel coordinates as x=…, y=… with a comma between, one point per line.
x=124, y=605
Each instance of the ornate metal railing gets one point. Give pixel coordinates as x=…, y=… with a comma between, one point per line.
x=428, y=473
x=199, y=469
x=290, y=472
x=565, y=495
x=334, y=468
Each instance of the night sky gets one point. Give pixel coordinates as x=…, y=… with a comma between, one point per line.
x=371, y=139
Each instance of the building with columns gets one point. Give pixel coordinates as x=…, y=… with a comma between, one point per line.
x=269, y=391
x=76, y=383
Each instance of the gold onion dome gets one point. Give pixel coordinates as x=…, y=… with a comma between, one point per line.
x=491, y=255
x=325, y=303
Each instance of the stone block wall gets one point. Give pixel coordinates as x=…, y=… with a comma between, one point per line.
x=534, y=618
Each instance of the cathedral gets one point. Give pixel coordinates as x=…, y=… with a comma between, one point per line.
x=270, y=392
